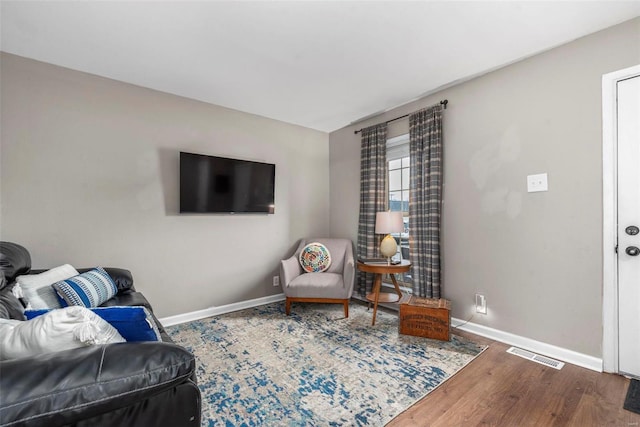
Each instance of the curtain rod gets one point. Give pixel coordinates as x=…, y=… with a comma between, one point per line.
x=443, y=102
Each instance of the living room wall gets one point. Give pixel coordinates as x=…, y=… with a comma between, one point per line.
x=89, y=176
x=537, y=257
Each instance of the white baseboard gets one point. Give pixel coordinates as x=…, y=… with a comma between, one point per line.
x=214, y=311
x=563, y=354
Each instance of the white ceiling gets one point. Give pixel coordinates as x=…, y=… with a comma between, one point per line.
x=320, y=64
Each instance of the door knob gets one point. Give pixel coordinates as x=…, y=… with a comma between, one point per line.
x=632, y=251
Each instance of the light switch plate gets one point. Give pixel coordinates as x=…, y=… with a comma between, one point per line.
x=537, y=183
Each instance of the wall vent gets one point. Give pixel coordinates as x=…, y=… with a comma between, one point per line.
x=555, y=364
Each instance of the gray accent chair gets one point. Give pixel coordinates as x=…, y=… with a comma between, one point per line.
x=333, y=286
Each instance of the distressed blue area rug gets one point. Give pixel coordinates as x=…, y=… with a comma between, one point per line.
x=314, y=368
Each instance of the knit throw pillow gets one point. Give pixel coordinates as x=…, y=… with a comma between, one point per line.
x=315, y=258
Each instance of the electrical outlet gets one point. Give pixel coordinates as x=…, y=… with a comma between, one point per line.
x=481, y=304
x=276, y=280
x=537, y=183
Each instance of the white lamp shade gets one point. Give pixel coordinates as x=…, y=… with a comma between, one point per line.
x=389, y=222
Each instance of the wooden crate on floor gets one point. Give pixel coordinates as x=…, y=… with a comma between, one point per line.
x=426, y=317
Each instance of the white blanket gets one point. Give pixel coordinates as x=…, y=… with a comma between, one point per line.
x=61, y=329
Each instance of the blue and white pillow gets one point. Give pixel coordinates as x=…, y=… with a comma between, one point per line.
x=134, y=323
x=88, y=289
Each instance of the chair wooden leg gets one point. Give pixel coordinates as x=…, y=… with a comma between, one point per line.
x=346, y=308
x=287, y=306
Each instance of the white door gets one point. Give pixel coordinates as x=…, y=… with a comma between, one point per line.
x=628, y=130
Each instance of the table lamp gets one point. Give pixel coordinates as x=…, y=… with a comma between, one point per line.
x=386, y=223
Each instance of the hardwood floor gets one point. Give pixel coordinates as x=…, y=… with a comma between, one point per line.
x=499, y=389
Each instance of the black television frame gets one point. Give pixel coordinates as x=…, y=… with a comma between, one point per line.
x=211, y=206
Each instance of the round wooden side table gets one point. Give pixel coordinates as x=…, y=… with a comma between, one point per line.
x=378, y=269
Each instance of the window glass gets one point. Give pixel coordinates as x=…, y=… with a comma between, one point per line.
x=405, y=179
x=395, y=200
x=398, y=182
x=395, y=179
x=395, y=164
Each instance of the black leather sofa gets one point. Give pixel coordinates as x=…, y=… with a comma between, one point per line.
x=128, y=384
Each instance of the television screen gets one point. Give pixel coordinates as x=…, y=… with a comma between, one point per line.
x=211, y=184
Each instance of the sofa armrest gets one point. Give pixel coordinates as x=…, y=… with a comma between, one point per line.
x=290, y=268
x=349, y=272
x=122, y=277
x=129, y=299
x=65, y=387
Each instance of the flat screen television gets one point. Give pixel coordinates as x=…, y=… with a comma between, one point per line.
x=210, y=184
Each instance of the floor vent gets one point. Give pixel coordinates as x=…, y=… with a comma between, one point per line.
x=536, y=358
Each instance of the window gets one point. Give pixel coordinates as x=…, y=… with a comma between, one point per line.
x=398, y=187
x=399, y=184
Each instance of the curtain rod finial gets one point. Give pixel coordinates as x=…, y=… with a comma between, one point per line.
x=444, y=103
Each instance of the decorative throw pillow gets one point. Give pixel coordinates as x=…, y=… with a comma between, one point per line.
x=315, y=258
x=88, y=289
x=36, y=288
x=57, y=330
x=133, y=323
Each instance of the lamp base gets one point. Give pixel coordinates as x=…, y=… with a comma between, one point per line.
x=388, y=247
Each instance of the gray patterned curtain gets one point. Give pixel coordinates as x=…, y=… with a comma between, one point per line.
x=425, y=146
x=373, y=195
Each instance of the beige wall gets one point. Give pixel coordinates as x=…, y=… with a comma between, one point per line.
x=537, y=257
x=89, y=176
